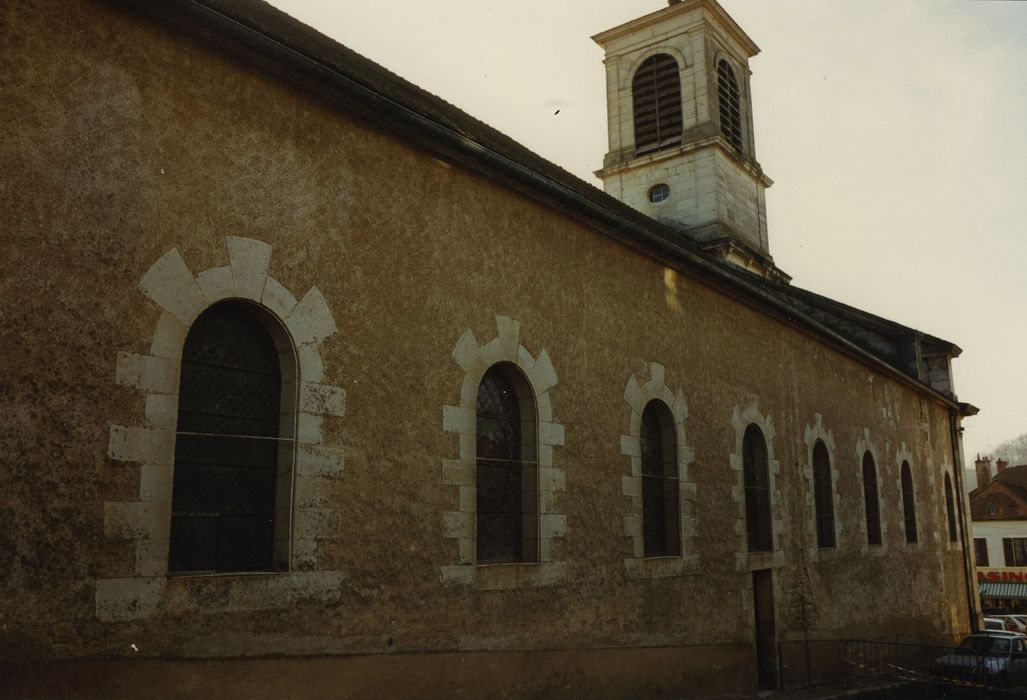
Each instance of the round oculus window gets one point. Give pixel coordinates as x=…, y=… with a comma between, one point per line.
x=658, y=193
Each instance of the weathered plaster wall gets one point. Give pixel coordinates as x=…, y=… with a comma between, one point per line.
x=131, y=140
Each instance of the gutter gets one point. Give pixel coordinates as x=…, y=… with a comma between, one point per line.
x=955, y=438
x=201, y=19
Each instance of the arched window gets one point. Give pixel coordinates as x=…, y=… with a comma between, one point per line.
x=871, y=499
x=231, y=495
x=950, y=509
x=656, y=98
x=756, y=473
x=908, y=503
x=506, y=473
x=823, y=496
x=661, y=505
x=730, y=109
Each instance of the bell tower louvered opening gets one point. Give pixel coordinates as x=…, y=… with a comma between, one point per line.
x=730, y=109
x=656, y=96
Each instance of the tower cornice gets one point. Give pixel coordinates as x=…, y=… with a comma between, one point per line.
x=712, y=7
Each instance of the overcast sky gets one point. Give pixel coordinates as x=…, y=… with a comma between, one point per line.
x=895, y=133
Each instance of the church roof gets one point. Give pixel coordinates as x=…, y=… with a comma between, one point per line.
x=286, y=47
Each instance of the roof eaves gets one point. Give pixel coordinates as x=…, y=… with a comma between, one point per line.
x=260, y=27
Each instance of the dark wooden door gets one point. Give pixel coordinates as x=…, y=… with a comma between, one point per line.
x=766, y=636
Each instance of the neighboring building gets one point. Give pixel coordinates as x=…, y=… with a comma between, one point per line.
x=998, y=507
x=316, y=385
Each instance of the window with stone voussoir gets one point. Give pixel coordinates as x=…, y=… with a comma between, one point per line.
x=232, y=470
x=756, y=473
x=656, y=100
x=506, y=469
x=661, y=493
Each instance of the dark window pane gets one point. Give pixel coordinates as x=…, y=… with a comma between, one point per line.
x=505, y=493
x=908, y=503
x=871, y=499
x=759, y=528
x=661, y=506
x=950, y=509
x=823, y=498
x=981, y=551
x=226, y=450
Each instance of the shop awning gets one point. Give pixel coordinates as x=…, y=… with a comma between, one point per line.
x=1003, y=589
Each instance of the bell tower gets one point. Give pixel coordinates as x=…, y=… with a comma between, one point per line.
x=680, y=129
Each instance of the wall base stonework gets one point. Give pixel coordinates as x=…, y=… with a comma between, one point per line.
x=597, y=674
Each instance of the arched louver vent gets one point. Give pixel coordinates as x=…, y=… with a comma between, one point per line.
x=656, y=95
x=730, y=109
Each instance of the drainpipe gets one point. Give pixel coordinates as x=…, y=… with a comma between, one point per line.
x=955, y=437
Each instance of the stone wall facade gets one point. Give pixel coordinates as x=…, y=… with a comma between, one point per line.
x=156, y=174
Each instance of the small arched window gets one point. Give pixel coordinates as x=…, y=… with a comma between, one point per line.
x=871, y=499
x=231, y=494
x=756, y=474
x=950, y=509
x=908, y=503
x=823, y=495
x=656, y=98
x=730, y=107
x=661, y=504
x=506, y=471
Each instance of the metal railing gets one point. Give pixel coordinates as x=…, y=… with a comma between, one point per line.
x=934, y=664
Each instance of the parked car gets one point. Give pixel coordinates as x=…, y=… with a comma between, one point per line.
x=992, y=658
x=1013, y=623
x=994, y=624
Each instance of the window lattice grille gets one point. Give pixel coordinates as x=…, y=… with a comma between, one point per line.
x=505, y=493
x=226, y=446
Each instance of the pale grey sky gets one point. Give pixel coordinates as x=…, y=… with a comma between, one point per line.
x=894, y=133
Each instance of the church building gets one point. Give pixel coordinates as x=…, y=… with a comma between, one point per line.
x=315, y=385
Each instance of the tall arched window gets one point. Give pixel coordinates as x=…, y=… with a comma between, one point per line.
x=950, y=509
x=506, y=474
x=756, y=473
x=730, y=107
x=823, y=495
x=871, y=499
x=661, y=504
x=908, y=503
x=231, y=494
x=656, y=98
